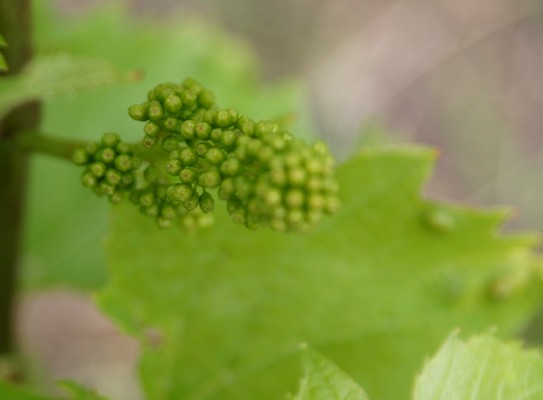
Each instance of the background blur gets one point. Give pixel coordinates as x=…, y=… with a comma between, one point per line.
x=463, y=76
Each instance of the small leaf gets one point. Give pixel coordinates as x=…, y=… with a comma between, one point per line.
x=58, y=75
x=3, y=62
x=482, y=368
x=324, y=380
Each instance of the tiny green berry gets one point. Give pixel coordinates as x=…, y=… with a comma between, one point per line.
x=92, y=148
x=247, y=126
x=202, y=148
x=163, y=222
x=138, y=112
x=297, y=176
x=216, y=135
x=168, y=212
x=207, y=204
x=110, y=139
x=294, y=198
x=152, y=210
x=173, y=103
x=264, y=128
x=127, y=180
x=124, y=163
x=80, y=157
x=227, y=189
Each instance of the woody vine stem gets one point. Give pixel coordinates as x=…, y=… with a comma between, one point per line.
x=15, y=26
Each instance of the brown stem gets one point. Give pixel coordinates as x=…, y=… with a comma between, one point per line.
x=15, y=26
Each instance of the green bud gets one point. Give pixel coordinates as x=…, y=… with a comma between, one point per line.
x=188, y=157
x=173, y=167
x=88, y=179
x=264, y=128
x=224, y=119
x=297, y=176
x=110, y=139
x=92, y=148
x=187, y=129
x=163, y=222
x=206, y=99
x=294, y=198
x=215, y=156
x=147, y=198
x=278, y=176
x=207, y=204
x=272, y=197
x=127, y=180
x=236, y=210
x=179, y=193
x=168, y=212
x=193, y=202
x=170, y=124
x=106, y=188
x=247, y=126
x=149, y=141
x=151, y=129
x=227, y=189
x=80, y=157
x=216, y=135
x=174, y=154
x=202, y=130
x=123, y=148
x=254, y=146
x=124, y=163
x=202, y=148
x=278, y=225
x=265, y=154
x=170, y=143
x=316, y=202
x=210, y=179
x=187, y=175
x=113, y=176
x=231, y=166
x=173, y=103
x=151, y=174
x=106, y=155
x=116, y=197
x=189, y=98
x=331, y=205
x=228, y=139
x=152, y=210
x=244, y=188
x=138, y=112
x=155, y=112
x=98, y=169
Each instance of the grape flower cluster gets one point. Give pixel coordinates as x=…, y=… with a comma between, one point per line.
x=193, y=152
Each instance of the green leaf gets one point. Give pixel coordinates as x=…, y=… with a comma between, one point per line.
x=80, y=392
x=55, y=75
x=482, y=368
x=325, y=381
x=9, y=391
x=375, y=288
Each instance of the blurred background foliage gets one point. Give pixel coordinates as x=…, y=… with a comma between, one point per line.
x=460, y=75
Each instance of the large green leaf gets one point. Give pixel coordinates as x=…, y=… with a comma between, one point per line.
x=483, y=368
x=55, y=75
x=66, y=224
x=375, y=288
x=325, y=381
